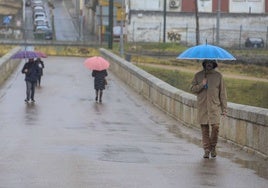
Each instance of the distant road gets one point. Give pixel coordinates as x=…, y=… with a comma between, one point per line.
x=64, y=27
x=63, y=23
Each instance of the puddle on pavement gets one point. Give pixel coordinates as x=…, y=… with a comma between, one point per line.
x=260, y=167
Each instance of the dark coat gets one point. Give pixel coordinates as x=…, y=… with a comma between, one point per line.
x=99, y=81
x=31, y=71
x=41, y=65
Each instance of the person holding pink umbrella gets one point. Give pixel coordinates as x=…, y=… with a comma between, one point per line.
x=99, y=67
x=99, y=83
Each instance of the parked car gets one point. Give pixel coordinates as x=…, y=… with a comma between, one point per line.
x=39, y=14
x=39, y=11
x=48, y=35
x=39, y=8
x=40, y=25
x=41, y=28
x=254, y=42
x=37, y=3
x=43, y=32
x=40, y=19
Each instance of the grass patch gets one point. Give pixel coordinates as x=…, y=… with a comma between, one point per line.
x=4, y=49
x=253, y=93
x=58, y=50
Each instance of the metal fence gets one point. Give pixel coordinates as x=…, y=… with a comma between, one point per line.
x=229, y=36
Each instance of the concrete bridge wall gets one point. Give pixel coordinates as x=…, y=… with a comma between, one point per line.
x=245, y=126
x=7, y=65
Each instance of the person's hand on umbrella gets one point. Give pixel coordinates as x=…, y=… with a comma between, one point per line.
x=205, y=83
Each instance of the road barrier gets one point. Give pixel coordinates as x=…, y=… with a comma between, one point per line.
x=245, y=126
x=8, y=65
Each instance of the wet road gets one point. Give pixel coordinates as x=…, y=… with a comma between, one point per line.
x=67, y=140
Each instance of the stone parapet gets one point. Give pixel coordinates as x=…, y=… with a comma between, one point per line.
x=245, y=126
x=7, y=65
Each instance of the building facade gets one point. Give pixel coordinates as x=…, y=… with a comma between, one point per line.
x=144, y=20
x=226, y=6
x=238, y=19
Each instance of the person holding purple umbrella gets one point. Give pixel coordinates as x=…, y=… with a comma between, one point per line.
x=32, y=72
x=209, y=87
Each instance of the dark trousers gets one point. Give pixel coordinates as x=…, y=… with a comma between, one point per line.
x=39, y=80
x=30, y=89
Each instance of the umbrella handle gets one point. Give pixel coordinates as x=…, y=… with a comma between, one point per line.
x=205, y=76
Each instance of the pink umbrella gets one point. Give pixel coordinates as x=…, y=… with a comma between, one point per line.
x=96, y=63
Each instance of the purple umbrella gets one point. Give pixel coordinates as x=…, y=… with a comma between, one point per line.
x=27, y=55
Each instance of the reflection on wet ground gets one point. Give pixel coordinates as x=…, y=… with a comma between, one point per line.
x=31, y=114
x=231, y=152
x=260, y=166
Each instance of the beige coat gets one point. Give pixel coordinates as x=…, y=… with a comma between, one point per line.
x=211, y=102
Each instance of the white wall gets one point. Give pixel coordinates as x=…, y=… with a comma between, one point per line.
x=235, y=6
x=148, y=27
x=246, y=6
x=145, y=5
x=205, y=5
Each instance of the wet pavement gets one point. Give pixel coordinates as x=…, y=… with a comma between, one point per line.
x=68, y=140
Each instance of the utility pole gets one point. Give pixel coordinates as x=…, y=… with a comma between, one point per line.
x=165, y=18
x=111, y=24
x=101, y=34
x=77, y=13
x=23, y=22
x=197, y=23
x=121, y=30
x=218, y=23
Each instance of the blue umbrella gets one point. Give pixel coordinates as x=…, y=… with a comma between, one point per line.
x=206, y=51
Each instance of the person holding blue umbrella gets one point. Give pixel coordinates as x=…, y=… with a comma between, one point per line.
x=209, y=87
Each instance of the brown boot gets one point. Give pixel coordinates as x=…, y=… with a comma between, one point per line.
x=205, y=137
x=214, y=139
x=206, y=154
x=213, y=152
